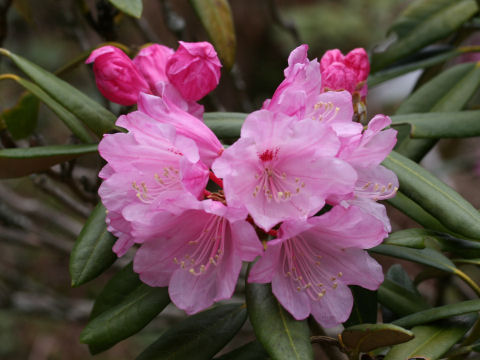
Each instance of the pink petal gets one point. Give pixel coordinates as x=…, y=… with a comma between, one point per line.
x=151, y=61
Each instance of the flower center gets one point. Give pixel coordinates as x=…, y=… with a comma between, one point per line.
x=325, y=111
x=207, y=249
x=167, y=181
x=302, y=264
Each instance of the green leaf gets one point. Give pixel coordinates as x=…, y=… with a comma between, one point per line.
x=125, y=319
x=225, y=124
x=437, y=313
x=431, y=342
x=395, y=71
x=280, y=334
x=364, y=306
x=415, y=212
x=92, y=253
x=436, y=197
x=250, y=351
x=413, y=238
x=216, y=17
x=117, y=289
x=397, y=299
x=427, y=256
x=24, y=161
x=432, y=125
x=368, y=337
x=423, y=23
x=92, y=114
x=70, y=120
x=200, y=336
x=21, y=120
x=449, y=91
x=460, y=247
x=130, y=7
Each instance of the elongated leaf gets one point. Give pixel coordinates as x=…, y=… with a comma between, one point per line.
x=21, y=120
x=216, y=17
x=70, y=120
x=250, y=351
x=449, y=91
x=224, y=124
x=200, y=336
x=280, y=334
x=398, y=275
x=423, y=23
x=433, y=125
x=364, y=307
x=117, y=289
x=436, y=197
x=391, y=73
x=430, y=342
x=131, y=7
x=427, y=257
x=437, y=313
x=368, y=337
x=24, y=161
x=92, y=253
x=126, y=318
x=413, y=238
x=92, y=114
x=415, y=212
x=460, y=247
x=401, y=302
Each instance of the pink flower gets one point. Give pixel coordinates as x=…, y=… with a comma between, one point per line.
x=151, y=61
x=150, y=169
x=201, y=263
x=116, y=76
x=166, y=111
x=194, y=69
x=283, y=169
x=348, y=72
x=301, y=85
x=311, y=264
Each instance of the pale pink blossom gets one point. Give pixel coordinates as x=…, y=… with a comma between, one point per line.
x=166, y=111
x=150, y=169
x=116, y=76
x=199, y=255
x=283, y=169
x=312, y=263
x=194, y=69
x=302, y=84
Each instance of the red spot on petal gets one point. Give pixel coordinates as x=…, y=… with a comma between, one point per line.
x=268, y=155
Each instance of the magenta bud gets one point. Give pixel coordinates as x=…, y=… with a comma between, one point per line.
x=151, y=61
x=194, y=69
x=116, y=76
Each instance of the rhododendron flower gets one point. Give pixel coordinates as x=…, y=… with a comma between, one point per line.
x=311, y=263
x=199, y=255
x=166, y=111
x=116, y=76
x=149, y=169
x=301, y=85
x=194, y=69
x=347, y=72
x=283, y=169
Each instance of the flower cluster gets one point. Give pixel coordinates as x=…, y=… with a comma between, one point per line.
x=302, y=175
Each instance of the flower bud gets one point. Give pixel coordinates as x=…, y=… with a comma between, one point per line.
x=116, y=76
x=357, y=60
x=151, y=61
x=339, y=77
x=194, y=69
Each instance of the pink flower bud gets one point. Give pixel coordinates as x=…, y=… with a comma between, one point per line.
x=194, y=69
x=116, y=76
x=330, y=57
x=339, y=77
x=151, y=61
x=357, y=60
